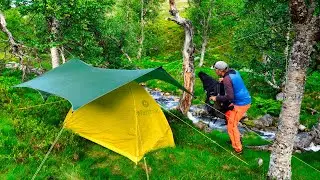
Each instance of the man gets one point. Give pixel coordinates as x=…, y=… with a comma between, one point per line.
x=237, y=93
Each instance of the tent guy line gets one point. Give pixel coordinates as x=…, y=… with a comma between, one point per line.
x=181, y=120
x=96, y=96
x=47, y=154
x=205, y=136
x=266, y=140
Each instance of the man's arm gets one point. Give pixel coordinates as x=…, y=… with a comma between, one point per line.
x=229, y=95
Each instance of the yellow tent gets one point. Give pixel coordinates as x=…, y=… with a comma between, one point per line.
x=109, y=107
x=126, y=120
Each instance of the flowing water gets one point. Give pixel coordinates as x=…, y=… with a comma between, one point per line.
x=169, y=102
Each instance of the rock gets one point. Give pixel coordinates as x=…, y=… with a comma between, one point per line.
x=303, y=140
x=192, y=118
x=280, y=96
x=199, y=110
x=260, y=162
x=298, y=151
x=248, y=122
x=315, y=133
x=302, y=127
x=312, y=147
x=75, y=156
x=201, y=125
x=207, y=130
x=273, y=129
x=265, y=121
x=166, y=94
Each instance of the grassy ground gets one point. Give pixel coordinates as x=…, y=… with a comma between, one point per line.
x=26, y=135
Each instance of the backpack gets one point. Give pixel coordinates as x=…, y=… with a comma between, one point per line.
x=213, y=88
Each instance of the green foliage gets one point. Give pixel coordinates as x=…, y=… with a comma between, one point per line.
x=263, y=32
x=311, y=101
x=257, y=85
x=4, y=4
x=27, y=134
x=261, y=106
x=80, y=29
x=101, y=33
x=219, y=28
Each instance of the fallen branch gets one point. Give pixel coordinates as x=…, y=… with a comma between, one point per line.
x=313, y=111
x=16, y=48
x=261, y=148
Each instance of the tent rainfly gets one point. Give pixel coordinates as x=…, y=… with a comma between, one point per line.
x=109, y=107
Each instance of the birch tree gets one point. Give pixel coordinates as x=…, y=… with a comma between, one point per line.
x=307, y=33
x=202, y=13
x=188, y=56
x=53, y=26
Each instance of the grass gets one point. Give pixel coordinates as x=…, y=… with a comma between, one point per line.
x=26, y=135
x=193, y=157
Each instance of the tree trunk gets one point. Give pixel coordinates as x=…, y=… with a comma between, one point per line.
x=142, y=32
x=54, y=57
x=205, y=33
x=126, y=54
x=272, y=83
x=286, y=55
x=62, y=55
x=16, y=48
x=188, y=57
x=306, y=27
x=203, y=50
x=53, y=24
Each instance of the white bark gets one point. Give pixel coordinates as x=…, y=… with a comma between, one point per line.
x=280, y=160
x=273, y=83
x=286, y=52
x=306, y=27
x=15, y=47
x=54, y=57
x=203, y=51
x=142, y=31
x=126, y=54
x=205, y=32
x=188, y=57
x=62, y=55
x=54, y=50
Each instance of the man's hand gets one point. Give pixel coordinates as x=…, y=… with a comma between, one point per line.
x=213, y=98
x=220, y=80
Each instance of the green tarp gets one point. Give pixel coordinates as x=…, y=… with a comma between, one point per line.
x=80, y=83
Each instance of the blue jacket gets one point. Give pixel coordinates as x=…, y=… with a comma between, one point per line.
x=236, y=91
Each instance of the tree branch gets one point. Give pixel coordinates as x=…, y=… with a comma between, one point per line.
x=174, y=19
x=15, y=47
x=173, y=10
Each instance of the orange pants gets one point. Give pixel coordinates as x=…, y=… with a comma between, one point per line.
x=233, y=117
